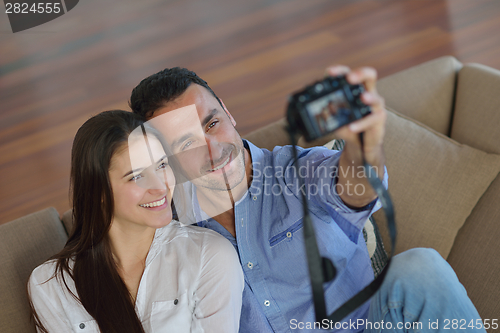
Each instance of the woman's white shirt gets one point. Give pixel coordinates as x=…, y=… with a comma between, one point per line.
x=192, y=282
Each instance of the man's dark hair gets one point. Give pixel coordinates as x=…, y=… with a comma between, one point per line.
x=158, y=89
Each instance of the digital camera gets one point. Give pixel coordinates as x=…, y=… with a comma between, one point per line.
x=324, y=106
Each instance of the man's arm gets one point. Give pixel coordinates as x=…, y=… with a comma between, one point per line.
x=352, y=185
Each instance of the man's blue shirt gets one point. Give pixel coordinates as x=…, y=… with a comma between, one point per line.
x=269, y=239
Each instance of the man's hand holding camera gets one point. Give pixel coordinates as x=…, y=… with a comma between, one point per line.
x=373, y=127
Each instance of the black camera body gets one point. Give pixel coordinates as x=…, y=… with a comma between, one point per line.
x=324, y=106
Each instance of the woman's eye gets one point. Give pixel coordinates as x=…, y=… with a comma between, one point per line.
x=136, y=177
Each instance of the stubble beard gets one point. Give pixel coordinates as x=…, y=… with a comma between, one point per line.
x=228, y=181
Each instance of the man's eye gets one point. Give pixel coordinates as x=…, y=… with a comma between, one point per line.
x=212, y=124
x=163, y=165
x=187, y=144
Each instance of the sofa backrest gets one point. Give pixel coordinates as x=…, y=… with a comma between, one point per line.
x=24, y=244
x=424, y=92
x=476, y=122
x=434, y=81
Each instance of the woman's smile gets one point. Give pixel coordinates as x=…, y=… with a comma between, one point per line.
x=160, y=204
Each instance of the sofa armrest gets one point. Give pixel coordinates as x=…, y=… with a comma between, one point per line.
x=24, y=244
x=67, y=220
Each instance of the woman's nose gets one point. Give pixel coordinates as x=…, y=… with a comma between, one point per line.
x=157, y=182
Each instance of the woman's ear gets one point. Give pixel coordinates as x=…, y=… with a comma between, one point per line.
x=228, y=114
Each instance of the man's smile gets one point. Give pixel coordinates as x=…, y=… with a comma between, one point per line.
x=221, y=165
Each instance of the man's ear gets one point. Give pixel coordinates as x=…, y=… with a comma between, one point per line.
x=228, y=114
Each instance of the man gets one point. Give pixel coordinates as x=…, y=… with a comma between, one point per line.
x=252, y=197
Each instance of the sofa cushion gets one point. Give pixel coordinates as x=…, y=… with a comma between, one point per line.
x=424, y=92
x=434, y=182
x=24, y=244
x=477, y=116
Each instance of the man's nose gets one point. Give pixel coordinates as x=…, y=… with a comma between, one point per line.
x=214, y=148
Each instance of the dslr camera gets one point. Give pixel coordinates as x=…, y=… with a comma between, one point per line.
x=324, y=106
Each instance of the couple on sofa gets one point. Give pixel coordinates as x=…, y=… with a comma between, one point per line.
x=134, y=262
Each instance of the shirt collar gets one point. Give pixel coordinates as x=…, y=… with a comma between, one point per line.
x=159, y=237
x=257, y=158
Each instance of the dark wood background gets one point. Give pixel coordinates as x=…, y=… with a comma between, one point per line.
x=252, y=53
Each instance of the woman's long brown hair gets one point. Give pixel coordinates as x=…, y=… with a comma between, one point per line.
x=100, y=288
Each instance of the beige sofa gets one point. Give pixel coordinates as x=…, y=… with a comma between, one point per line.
x=441, y=147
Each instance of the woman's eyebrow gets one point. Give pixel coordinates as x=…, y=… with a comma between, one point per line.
x=140, y=169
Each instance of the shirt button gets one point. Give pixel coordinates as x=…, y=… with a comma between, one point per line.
x=176, y=301
x=250, y=265
x=82, y=326
x=289, y=234
x=267, y=303
x=337, y=209
x=241, y=222
x=254, y=198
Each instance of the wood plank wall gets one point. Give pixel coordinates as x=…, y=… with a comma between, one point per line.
x=252, y=53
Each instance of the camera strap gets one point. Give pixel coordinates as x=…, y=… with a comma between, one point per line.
x=321, y=269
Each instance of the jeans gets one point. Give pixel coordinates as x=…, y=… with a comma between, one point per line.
x=421, y=293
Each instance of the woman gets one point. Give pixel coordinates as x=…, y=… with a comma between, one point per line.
x=126, y=267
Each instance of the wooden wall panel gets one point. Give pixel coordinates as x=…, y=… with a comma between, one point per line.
x=252, y=53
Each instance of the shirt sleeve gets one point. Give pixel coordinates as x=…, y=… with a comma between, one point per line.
x=46, y=302
x=220, y=288
x=319, y=168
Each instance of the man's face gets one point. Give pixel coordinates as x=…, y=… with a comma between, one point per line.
x=202, y=136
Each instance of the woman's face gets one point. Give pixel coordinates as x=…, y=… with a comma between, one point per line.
x=142, y=184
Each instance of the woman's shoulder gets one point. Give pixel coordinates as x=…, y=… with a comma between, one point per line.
x=56, y=306
x=205, y=233
x=176, y=230
x=48, y=276
x=194, y=238
x=44, y=272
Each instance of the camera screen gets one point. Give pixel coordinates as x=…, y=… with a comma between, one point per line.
x=329, y=112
